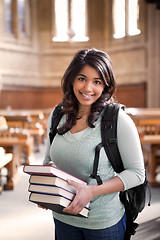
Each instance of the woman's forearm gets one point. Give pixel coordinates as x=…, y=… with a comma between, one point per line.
x=110, y=186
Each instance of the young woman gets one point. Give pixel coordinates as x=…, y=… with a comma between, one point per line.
x=88, y=85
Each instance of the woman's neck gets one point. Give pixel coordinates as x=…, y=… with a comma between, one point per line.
x=84, y=112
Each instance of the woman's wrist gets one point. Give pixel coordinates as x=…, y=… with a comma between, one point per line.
x=94, y=190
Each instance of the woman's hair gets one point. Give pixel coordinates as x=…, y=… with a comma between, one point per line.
x=100, y=61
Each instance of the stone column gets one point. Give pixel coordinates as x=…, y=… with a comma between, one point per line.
x=153, y=58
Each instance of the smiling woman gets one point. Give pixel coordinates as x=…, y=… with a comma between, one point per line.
x=88, y=85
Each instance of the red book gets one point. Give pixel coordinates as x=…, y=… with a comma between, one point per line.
x=48, y=170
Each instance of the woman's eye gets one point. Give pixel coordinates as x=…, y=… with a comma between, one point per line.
x=97, y=82
x=81, y=79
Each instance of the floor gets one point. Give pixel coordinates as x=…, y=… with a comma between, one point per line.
x=22, y=220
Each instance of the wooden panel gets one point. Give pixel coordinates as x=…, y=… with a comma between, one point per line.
x=133, y=95
x=30, y=97
x=38, y=97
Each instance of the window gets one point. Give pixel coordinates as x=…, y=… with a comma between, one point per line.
x=125, y=18
x=17, y=17
x=133, y=17
x=8, y=9
x=21, y=17
x=70, y=20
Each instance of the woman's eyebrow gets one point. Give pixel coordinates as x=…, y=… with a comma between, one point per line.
x=80, y=74
x=96, y=78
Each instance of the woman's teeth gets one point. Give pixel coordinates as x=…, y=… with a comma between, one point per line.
x=87, y=96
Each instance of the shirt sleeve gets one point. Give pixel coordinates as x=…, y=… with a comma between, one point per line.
x=131, y=152
x=47, y=158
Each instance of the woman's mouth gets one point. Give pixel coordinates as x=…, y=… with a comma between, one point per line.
x=87, y=96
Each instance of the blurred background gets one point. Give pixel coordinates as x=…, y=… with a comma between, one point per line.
x=38, y=38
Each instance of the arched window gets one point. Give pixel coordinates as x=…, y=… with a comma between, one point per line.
x=125, y=18
x=70, y=20
x=17, y=18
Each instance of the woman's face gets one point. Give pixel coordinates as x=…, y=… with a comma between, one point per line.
x=88, y=86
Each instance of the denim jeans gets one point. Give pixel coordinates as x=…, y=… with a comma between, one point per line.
x=68, y=232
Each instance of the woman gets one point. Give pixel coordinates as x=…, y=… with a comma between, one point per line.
x=88, y=85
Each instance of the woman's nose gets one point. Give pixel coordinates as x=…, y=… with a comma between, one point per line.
x=88, y=86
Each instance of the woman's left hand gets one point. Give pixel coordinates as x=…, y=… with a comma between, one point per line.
x=83, y=196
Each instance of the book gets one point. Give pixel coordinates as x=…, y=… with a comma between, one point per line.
x=52, y=190
x=51, y=181
x=49, y=170
x=55, y=203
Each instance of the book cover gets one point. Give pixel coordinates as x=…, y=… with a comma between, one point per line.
x=55, y=203
x=53, y=190
x=50, y=171
x=51, y=181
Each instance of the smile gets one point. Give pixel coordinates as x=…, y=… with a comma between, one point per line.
x=87, y=96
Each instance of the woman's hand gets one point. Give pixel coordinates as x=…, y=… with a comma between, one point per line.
x=50, y=164
x=85, y=193
x=42, y=207
x=83, y=196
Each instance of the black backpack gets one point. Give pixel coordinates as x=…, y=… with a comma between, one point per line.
x=133, y=199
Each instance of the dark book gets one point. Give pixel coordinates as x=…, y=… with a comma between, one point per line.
x=55, y=203
x=51, y=181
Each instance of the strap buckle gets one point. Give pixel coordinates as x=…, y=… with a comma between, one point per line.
x=97, y=177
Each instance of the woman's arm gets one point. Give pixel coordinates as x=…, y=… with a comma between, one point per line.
x=131, y=152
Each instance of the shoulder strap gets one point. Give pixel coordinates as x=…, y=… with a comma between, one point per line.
x=95, y=165
x=109, y=141
x=109, y=136
x=56, y=117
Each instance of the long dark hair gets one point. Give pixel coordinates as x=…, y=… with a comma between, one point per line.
x=100, y=61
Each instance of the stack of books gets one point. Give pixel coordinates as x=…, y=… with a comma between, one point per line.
x=49, y=188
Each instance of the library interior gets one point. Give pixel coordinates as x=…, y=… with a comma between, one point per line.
x=38, y=39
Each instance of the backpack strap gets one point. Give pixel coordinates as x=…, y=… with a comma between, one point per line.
x=109, y=141
x=56, y=117
x=95, y=165
x=109, y=136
